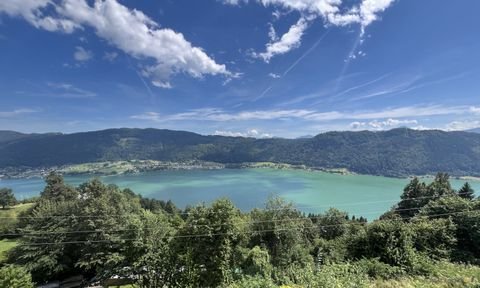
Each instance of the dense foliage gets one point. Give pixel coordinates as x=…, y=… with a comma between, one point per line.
x=99, y=231
x=398, y=152
x=7, y=198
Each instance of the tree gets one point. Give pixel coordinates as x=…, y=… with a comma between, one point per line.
x=57, y=190
x=15, y=277
x=257, y=262
x=332, y=224
x=111, y=208
x=284, y=231
x=414, y=197
x=207, y=244
x=392, y=242
x=149, y=254
x=440, y=186
x=7, y=198
x=466, y=192
x=46, y=228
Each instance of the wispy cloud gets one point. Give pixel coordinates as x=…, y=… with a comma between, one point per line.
x=254, y=133
x=82, y=55
x=16, y=112
x=330, y=11
x=290, y=40
x=462, y=125
x=274, y=76
x=110, y=56
x=216, y=114
x=382, y=125
x=67, y=90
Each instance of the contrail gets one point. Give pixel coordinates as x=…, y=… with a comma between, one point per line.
x=306, y=53
x=347, y=62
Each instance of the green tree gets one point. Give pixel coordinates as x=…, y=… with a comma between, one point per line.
x=57, y=190
x=7, y=198
x=413, y=198
x=465, y=214
x=149, y=252
x=435, y=237
x=207, y=244
x=440, y=186
x=15, y=277
x=46, y=228
x=332, y=224
x=466, y=192
x=392, y=242
x=110, y=209
x=282, y=230
x=257, y=262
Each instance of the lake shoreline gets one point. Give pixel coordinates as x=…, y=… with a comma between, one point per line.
x=132, y=167
x=111, y=168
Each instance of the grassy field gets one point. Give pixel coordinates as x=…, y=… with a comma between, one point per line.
x=9, y=216
x=6, y=245
x=8, y=219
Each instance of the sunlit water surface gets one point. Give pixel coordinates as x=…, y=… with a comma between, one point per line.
x=364, y=195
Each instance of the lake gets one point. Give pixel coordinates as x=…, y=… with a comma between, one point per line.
x=311, y=191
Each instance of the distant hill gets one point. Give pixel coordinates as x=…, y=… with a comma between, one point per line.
x=398, y=152
x=475, y=130
x=6, y=136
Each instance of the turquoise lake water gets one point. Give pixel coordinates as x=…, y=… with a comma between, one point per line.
x=361, y=195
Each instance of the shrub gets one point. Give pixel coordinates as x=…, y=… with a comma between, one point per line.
x=374, y=268
x=15, y=277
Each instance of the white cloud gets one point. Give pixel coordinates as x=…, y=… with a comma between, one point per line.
x=369, y=10
x=152, y=116
x=249, y=133
x=462, y=125
x=129, y=30
x=215, y=114
x=290, y=40
x=16, y=112
x=272, y=34
x=475, y=110
x=333, y=12
x=110, y=56
x=33, y=11
x=274, y=76
x=66, y=90
x=364, y=12
x=82, y=55
x=382, y=125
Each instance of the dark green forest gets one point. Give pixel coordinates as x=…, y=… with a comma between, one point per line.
x=430, y=238
x=398, y=152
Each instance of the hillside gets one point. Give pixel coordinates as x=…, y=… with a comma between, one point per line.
x=475, y=130
x=398, y=152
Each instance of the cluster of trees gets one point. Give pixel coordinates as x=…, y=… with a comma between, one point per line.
x=100, y=230
x=364, y=152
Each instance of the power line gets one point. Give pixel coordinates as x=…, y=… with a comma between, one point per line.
x=244, y=232
x=32, y=233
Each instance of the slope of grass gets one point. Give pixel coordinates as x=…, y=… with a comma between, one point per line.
x=8, y=216
x=5, y=246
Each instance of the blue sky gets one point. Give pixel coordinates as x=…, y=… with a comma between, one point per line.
x=261, y=68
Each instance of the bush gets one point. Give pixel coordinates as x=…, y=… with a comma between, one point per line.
x=253, y=282
x=340, y=275
x=374, y=268
x=15, y=277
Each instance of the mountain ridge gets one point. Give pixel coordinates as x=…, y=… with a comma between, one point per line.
x=396, y=152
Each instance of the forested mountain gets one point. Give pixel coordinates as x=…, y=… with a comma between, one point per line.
x=397, y=152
